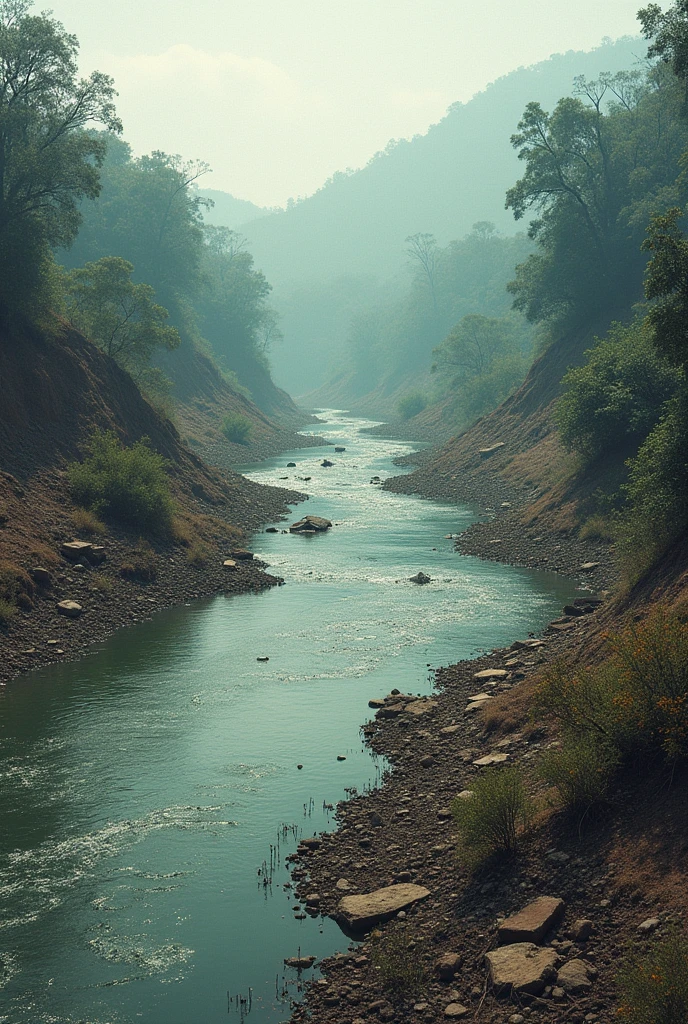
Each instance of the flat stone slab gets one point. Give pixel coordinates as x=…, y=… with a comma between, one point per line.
x=533, y=922
x=521, y=968
x=489, y=759
x=76, y=549
x=229, y=563
x=420, y=707
x=360, y=913
x=491, y=673
x=455, y=1011
x=69, y=608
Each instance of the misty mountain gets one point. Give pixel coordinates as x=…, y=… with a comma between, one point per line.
x=442, y=182
x=228, y=211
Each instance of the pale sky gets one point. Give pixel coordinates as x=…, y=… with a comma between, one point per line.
x=276, y=95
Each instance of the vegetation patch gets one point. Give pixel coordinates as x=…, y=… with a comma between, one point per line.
x=410, y=405
x=491, y=820
x=633, y=708
x=654, y=983
x=88, y=523
x=16, y=590
x=126, y=484
x=237, y=428
x=398, y=961
x=142, y=564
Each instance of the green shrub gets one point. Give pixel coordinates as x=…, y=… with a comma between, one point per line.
x=7, y=611
x=654, y=983
x=617, y=395
x=237, y=428
x=411, y=405
x=490, y=821
x=657, y=491
x=634, y=706
x=580, y=771
x=126, y=484
x=198, y=554
x=399, y=965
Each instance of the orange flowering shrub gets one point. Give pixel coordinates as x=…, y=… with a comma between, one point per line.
x=633, y=706
x=654, y=984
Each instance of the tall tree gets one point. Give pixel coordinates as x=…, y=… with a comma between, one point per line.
x=48, y=161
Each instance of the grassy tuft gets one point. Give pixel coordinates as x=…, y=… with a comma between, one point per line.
x=491, y=821
x=399, y=966
x=237, y=428
x=654, y=983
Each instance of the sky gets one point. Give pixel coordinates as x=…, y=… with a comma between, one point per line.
x=277, y=95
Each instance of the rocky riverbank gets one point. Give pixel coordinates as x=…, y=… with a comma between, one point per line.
x=403, y=835
x=131, y=579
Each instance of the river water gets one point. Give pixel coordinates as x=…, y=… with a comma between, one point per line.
x=145, y=789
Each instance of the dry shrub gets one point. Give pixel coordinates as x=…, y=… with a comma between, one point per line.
x=103, y=584
x=142, y=564
x=199, y=554
x=398, y=961
x=43, y=555
x=88, y=523
x=16, y=588
x=7, y=611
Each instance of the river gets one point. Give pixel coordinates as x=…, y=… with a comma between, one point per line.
x=145, y=789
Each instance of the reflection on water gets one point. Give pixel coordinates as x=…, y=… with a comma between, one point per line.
x=150, y=794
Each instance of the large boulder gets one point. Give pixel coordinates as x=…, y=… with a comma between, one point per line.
x=576, y=977
x=310, y=524
x=69, y=608
x=533, y=922
x=521, y=968
x=421, y=578
x=360, y=913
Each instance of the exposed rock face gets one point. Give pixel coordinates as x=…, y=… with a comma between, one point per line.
x=360, y=913
x=69, y=608
x=310, y=524
x=533, y=922
x=521, y=968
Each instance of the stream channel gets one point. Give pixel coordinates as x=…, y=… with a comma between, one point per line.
x=143, y=788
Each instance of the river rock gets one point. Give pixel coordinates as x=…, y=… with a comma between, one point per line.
x=575, y=977
x=76, y=549
x=360, y=913
x=229, y=563
x=242, y=555
x=69, y=608
x=291, y=465
x=533, y=922
x=521, y=968
x=448, y=965
x=326, y=464
x=581, y=930
x=312, y=524
x=420, y=707
x=96, y=555
x=420, y=577
x=41, y=576
x=455, y=1011
x=491, y=673
x=301, y=963
x=490, y=759
x=339, y=448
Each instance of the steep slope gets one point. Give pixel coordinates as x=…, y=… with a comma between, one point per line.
x=57, y=388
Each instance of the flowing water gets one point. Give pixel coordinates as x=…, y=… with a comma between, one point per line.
x=149, y=793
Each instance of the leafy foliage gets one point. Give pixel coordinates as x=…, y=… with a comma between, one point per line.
x=49, y=161
x=120, y=316
x=633, y=707
x=595, y=169
x=410, y=405
x=490, y=820
x=617, y=395
x=654, y=982
x=237, y=428
x=580, y=770
x=127, y=484
x=667, y=282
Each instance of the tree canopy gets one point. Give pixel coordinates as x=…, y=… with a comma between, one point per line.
x=48, y=160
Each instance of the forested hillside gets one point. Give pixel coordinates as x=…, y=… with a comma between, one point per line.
x=332, y=255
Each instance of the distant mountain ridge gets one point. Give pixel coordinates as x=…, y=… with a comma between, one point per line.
x=441, y=182
x=228, y=211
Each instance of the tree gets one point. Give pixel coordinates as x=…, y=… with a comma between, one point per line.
x=471, y=347
x=422, y=250
x=118, y=315
x=666, y=282
x=48, y=161
x=669, y=34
